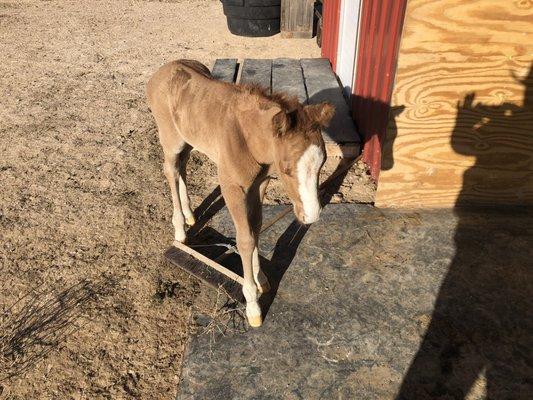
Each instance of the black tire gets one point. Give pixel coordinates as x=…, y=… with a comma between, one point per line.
x=262, y=3
x=239, y=3
x=253, y=27
x=251, y=13
x=251, y=3
x=253, y=18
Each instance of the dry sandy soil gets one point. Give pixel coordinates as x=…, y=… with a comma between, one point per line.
x=84, y=208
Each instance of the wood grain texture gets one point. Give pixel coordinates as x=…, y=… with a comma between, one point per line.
x=207, y=261
x=225, y=69
x=204, y=269
x=322, y=85
x=287, y=78
x=466, y=133
x=297, y=18
x=258, y=71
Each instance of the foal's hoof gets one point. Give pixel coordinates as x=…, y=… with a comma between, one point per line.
x=255, y=321
x=190, y=220
x=180, y=235
x=253, y=314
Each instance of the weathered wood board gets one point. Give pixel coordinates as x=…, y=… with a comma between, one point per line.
x=206, y=270
x=466, y=134
x=225, y=69
x=297, y=18
x=287, y=78
x=258, y=71
x=322, y=86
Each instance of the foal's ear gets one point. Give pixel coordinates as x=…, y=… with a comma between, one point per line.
x=281, y=122
x=321, y=113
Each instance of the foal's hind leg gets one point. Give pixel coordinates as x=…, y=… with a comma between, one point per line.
x=184, y=196
x=172, y=144
x=172, y=175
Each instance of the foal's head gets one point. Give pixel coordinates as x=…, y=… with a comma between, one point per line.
x=299, y=153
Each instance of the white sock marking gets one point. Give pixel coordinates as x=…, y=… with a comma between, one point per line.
x=307, y=168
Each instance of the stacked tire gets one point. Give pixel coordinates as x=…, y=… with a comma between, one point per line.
x=253, y=18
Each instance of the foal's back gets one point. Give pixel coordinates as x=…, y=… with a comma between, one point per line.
x=190, y=106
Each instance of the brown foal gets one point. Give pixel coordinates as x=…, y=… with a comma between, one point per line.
x=249, y=135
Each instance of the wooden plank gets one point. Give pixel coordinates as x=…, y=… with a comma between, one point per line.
x=322, y=86
x=287, y=78
x=205, y=269
x=225, y=69
x=207, y=261
x=297, y=18
x=258, y=71
x=450, y=147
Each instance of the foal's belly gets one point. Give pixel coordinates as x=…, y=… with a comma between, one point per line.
x=203, y=126
x=199, y=143
x=213, y=156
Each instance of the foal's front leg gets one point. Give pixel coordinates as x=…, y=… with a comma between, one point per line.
x=256, y=204
x=236, y=201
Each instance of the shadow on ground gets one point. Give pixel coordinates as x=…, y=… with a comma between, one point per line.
x=40, y=321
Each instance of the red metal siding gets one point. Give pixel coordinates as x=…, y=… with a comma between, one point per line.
x=330, y=30
x=379, y=41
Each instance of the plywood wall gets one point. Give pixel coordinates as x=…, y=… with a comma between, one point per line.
x=463, y=126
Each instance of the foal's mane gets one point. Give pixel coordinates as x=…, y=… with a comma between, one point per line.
x=285, y=102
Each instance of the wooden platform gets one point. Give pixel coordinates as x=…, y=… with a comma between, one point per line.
x=311, y=80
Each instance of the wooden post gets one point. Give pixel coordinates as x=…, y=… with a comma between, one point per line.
x=297, y=18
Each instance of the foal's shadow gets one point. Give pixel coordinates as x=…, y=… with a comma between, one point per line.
x=211, y=205
x=288, y=243
x=211, y=243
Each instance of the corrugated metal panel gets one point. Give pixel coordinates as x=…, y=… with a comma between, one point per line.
x=330, y=30
x=381, y=26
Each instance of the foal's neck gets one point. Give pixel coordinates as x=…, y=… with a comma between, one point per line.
x=259, y=140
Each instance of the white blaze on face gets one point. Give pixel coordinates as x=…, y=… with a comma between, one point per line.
x=307, y=169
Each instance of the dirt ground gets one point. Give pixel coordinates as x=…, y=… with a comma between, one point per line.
x=88, y=307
